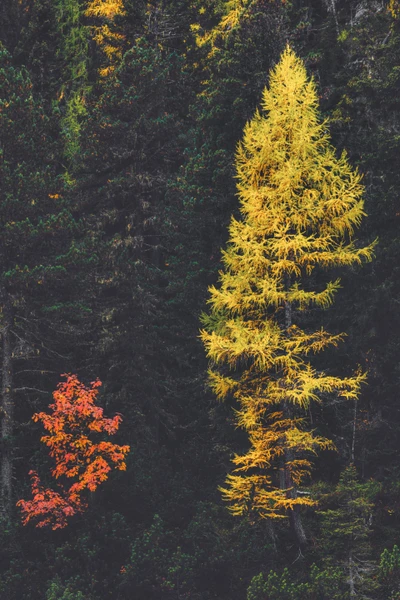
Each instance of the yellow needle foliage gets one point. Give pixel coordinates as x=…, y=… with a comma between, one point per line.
x=394, y=8
x=104, y=33
x=231, y=14
x=300, y=204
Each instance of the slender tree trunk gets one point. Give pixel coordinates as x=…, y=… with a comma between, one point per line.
x=296, y=521
x=294, y=515
x=353, y=441
x=272, y=535
x=7, y=413
x=331, y=6
x=352, y=577
x=297, y=525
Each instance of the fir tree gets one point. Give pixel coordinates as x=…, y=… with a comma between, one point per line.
x=346, y=532
x=300, y=204
x=389, y=573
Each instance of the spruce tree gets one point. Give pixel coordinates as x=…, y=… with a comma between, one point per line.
x=299, y=206
x=346, y=532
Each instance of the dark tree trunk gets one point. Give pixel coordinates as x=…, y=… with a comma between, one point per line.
x=7, y=412
x=297, y=526
x=286, y=483
x=294, y=514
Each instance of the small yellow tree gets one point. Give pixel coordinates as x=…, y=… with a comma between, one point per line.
x=300, y=204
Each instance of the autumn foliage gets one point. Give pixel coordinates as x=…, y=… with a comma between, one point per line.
x=300, y=204
x=73, y=426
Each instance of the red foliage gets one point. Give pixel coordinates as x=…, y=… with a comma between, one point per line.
x=74, y=421
x=51, y=507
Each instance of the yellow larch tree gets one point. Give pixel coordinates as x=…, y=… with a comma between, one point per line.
x=300, y=204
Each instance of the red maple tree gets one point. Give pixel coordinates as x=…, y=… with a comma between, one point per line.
x=73, y=423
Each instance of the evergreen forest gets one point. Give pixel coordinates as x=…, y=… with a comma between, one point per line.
x=199, y=299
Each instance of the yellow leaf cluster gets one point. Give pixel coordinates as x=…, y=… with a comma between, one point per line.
x=107, y=9
x=300, y=204
x=394, y=8
x=233, y=12
x=105, y=36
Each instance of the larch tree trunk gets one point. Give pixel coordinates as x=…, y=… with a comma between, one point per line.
x=287, y=481
x=7, y=411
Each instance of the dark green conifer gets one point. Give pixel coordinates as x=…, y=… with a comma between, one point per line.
x=346, y=532
x=36, y=227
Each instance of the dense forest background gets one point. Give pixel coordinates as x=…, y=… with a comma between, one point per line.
x=119, y=121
